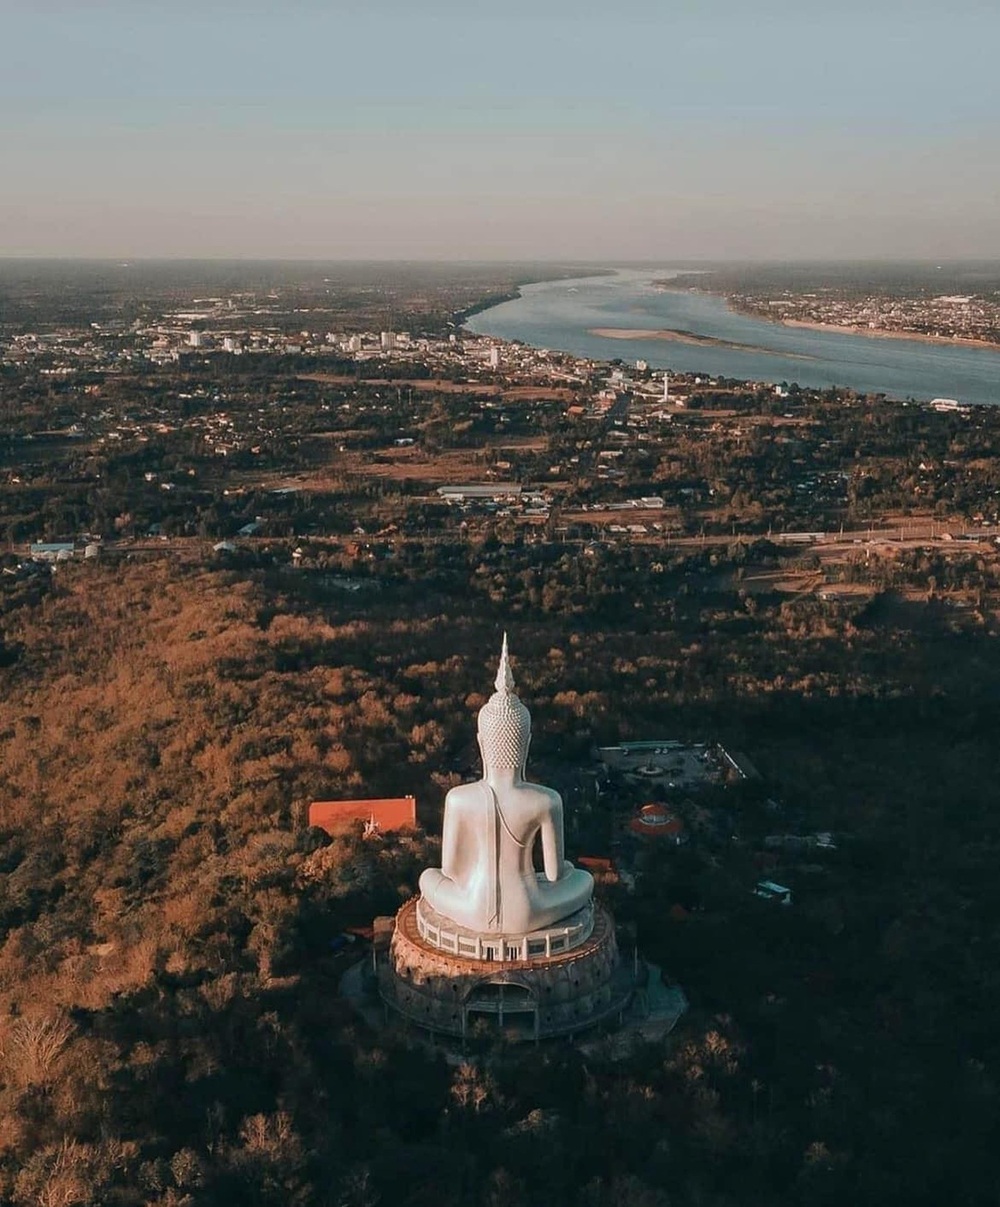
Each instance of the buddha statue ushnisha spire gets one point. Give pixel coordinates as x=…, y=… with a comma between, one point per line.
x=504, y=723
x=505, y=678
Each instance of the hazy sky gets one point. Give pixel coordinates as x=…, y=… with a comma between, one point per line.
x=630, y=129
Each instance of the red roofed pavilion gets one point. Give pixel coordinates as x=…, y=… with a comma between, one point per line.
x=657, y=821
x=392, y=813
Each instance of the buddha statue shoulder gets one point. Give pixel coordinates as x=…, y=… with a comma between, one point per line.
x=488, y=881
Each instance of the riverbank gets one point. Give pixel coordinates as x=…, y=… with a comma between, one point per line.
x=959, y=341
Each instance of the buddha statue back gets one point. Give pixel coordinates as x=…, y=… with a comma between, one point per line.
x=488, y=882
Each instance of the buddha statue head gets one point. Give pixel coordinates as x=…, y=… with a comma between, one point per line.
x=504, y=724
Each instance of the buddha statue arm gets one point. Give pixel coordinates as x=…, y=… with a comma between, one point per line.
x=450, y=843
x=552, y=843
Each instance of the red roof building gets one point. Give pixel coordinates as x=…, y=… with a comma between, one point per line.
x=393, y=813
x=603, y=870
x=657, y=821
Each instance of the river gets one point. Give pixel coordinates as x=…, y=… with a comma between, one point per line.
x=561, y=315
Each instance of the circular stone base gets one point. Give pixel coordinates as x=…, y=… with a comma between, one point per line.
x=534, y=998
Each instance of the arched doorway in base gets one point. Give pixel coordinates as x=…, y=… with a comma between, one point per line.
x=504, y=1004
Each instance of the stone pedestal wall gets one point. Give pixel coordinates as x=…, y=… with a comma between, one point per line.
x=546, y=995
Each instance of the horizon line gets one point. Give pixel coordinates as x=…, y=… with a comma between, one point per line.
x=126, y=261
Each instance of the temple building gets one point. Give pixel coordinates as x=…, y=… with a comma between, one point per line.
x=381, y=815
x=506, y=932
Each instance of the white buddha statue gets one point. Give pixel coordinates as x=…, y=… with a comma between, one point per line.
x=487, y=881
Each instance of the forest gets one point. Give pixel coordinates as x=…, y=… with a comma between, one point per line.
x=169, y=1018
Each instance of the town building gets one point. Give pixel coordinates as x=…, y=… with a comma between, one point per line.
x=495, y=491
x=52, y=551
x=767, y=890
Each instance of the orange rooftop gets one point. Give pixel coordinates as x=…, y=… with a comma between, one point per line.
x=394, y=813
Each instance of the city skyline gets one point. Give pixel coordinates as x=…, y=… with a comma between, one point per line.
x=335, y=132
